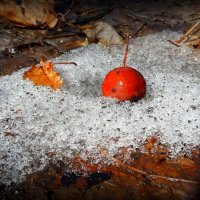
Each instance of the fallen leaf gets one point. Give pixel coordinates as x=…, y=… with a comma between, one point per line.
x=103, y=33
x=194, y=40
x=192, y=36
x=75, y=44
x=185, y=161
x=28, y=13
x=44, y=74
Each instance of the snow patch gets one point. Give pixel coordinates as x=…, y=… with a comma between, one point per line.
x=76, y=119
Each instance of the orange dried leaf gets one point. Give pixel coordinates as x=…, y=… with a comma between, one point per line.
x=44, y=74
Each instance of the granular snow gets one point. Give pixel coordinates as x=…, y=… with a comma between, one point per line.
x=76, y=119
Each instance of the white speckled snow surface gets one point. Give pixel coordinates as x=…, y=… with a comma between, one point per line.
x=77, y=119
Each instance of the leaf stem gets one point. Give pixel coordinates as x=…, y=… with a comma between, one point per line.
x=60, y=63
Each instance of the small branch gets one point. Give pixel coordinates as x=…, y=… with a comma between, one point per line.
x=110, y=183
x=127, y=169
x=177, y=43
x=174, y=179
x=140, y=28
x=131, y=168
x=193, y=19
x=59, y=36
x=174, y=43
x=152, y=176
x=187, y=33
x=70, y=9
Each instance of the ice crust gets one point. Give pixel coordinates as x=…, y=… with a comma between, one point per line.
x=76, y=119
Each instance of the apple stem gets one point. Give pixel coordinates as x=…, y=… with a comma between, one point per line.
x=126, y=50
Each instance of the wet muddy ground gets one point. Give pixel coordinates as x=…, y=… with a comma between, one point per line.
x=145, y=176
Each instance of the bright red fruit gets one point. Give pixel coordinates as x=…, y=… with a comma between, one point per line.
x=124, y=83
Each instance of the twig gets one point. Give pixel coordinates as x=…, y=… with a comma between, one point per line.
x=177, y=43
x=141, y=27
x=174, y=179
x=70, y=9
x=154, y=176
x=188, y=33
x=127, y=169
x=150, y=176
x=110, y=183
x=131, y=168
x=59, y=36
x=174, y=43
x=72, y=25
x=193, y=19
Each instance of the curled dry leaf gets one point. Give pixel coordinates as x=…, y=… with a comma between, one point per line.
x=28, y=13
x=44, y=74
x=191, y=37
x=103, y=33
x=75, y=44
x=194, y=39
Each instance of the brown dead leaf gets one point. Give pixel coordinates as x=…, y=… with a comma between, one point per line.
x=192, y=35
x=185, y=161
x=103, y=33
x=194, y=40
x=28, y=13
x=75, y=44
x=44, y=74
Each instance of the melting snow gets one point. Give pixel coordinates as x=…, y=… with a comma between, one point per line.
x=76, y=119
